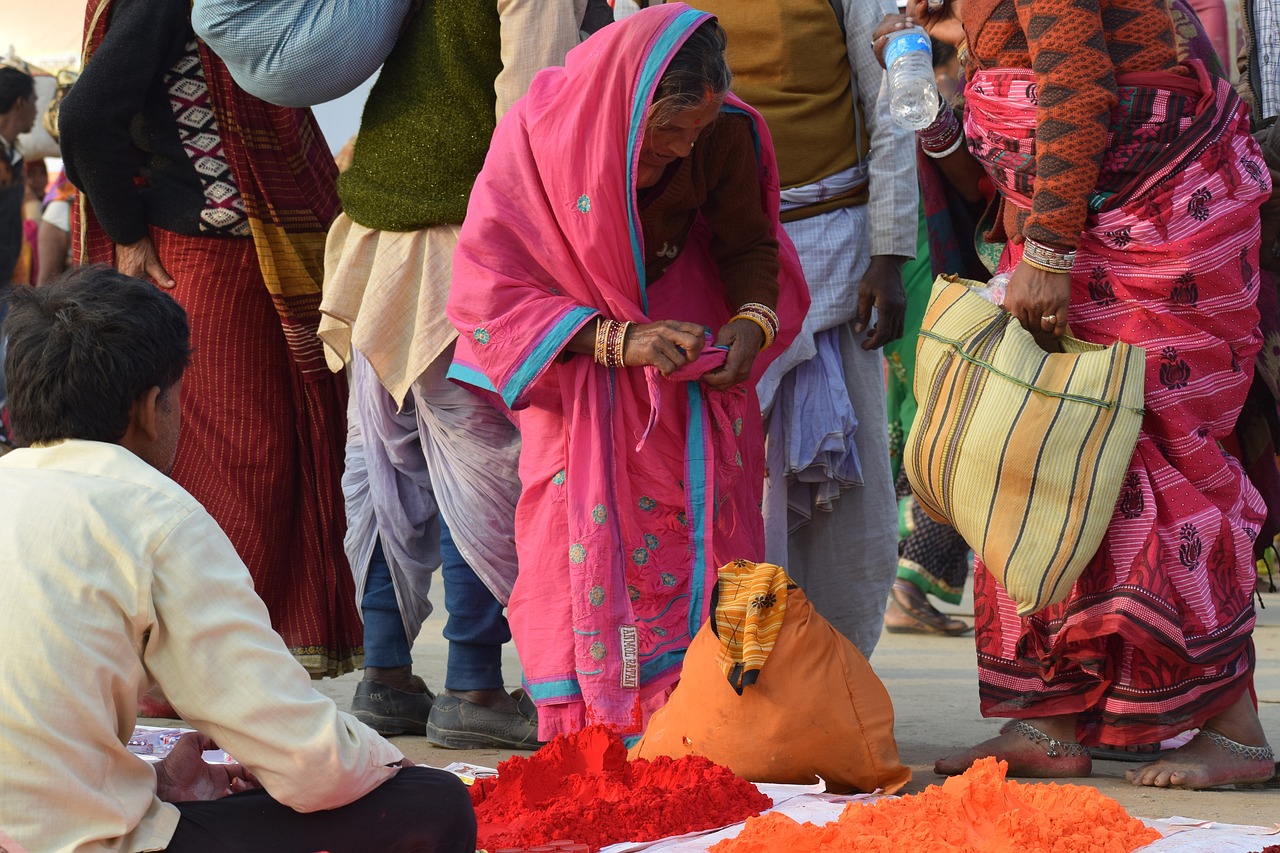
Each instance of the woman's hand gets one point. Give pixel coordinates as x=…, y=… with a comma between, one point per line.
x=140, y=260
x=744, y=339
x=666, y=344
x=944, y=24
x=1039, y=300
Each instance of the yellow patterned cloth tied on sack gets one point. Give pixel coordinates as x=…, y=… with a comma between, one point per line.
x=1022, y=451
x=752, y=600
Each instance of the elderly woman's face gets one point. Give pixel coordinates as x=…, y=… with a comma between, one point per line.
x=674, y=139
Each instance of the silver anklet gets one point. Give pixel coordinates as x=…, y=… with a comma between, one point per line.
x=1057, y=748
x=1253, y=753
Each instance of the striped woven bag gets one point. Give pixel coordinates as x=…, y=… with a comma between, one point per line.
x=1022, y=451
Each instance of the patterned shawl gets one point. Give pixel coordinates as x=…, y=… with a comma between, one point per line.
x=286, y=176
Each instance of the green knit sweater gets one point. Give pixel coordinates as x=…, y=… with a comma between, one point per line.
x=427, y=124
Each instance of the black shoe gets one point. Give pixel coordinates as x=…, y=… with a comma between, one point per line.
x=389, y=711
x=458, y=724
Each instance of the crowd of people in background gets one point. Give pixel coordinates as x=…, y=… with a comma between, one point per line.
x=604, y=299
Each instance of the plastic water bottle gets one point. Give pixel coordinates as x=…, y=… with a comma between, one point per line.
x=913, y=92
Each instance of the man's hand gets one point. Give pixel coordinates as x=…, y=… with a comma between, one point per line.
x=1269, y=139
x=881, y=288
x=184, y=776
x=889, y=24
x=944, y=24
x=744, y=339
x=140, y=260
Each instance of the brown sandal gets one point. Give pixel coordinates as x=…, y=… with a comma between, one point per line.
x=910, y=612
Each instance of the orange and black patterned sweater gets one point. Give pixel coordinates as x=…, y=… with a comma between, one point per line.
x=1076, y=48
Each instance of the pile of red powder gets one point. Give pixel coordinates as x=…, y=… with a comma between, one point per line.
x=582, y=787
x=979, y=812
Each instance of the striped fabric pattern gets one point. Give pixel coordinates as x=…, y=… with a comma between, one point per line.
x=1022, y=451
x=751, y=604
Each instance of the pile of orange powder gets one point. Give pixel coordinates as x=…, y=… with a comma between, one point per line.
x=979, y=811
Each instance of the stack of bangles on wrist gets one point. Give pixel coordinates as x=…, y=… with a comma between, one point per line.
x=763, y=316
x=1049, y=260
x=945, y=135
x=610, y=338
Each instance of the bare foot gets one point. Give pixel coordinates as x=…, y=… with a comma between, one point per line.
x=1203, y=763
x=1028, y=757
x=1230, y=749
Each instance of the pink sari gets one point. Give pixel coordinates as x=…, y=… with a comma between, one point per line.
x=635, y=487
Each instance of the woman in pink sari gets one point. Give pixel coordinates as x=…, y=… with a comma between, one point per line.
x=1129, y=189
x=628, y=188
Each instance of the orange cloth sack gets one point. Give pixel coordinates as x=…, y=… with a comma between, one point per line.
x=817, y=709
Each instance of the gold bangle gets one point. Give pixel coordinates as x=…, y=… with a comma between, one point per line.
x=604, y=328
x=764, y=327
x=1044, y=268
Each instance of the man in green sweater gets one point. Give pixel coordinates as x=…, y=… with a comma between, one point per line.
x=431, y=469
x=849, y=200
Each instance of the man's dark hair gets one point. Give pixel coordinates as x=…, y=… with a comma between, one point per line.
x=83, y=348
x=14, y=84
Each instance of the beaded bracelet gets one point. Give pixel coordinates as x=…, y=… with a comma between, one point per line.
x=944, y=135
x=763, y=316
x=945, y=152
x=619, y=344
x=767, y=313
x=1050, y=260
x=611, y=339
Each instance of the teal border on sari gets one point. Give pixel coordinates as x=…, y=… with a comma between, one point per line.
x=696, y=480
x=545, y=350
x=470, y=376
x=566, y=688
x=570, y=688
x=666, y=45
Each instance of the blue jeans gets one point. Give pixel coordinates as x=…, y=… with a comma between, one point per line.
x=476, y=628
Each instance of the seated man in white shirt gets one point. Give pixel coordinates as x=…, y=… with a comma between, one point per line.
x=115, y=579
